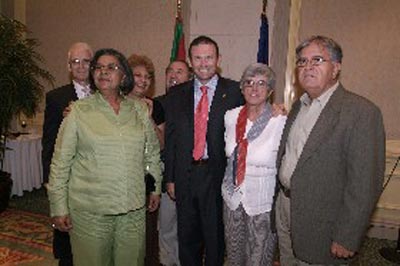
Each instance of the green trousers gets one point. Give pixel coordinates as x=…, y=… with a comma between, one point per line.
x=108, y=240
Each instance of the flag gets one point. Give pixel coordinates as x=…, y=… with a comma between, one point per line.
x=262, y=54
x=178, y=45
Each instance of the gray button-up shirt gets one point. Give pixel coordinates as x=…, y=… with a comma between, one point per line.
x=307, y=117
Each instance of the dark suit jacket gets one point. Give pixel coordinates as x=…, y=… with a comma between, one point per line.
x=338, y=178
x=180, y=130
x=56, y=101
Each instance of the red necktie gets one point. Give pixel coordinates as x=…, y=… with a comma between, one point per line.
x=200, y=125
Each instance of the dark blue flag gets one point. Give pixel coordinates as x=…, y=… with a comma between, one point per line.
x=262, y=54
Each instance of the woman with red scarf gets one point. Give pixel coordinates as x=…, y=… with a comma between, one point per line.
x=252, y=136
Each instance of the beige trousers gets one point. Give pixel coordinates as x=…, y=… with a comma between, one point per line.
x=286, y=255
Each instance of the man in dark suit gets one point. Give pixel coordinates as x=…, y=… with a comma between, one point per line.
x=331, y=163
x=177, y=72
x=194, y=172
x=57, y=102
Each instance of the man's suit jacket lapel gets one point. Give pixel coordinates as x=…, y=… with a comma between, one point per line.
x=188, y=103
x=324, y=126
x=72, y=93
x=217, y=105
x=216, y=117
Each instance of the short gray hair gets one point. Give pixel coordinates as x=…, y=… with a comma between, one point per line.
x=259, y=69
x=333, y=48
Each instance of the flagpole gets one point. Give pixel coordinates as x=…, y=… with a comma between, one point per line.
x=178, y=8
x=264, y=8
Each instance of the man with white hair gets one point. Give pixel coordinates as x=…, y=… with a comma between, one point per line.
x=57, y=102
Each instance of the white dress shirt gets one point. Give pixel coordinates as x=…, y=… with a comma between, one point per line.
x=81, y=91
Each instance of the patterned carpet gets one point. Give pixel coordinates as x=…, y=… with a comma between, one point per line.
x=25, y=238
x=25, y=235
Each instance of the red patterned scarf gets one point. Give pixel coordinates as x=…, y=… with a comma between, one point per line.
x=241, y=143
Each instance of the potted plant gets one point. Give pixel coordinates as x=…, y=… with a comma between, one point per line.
x=20, y=82
x=5, y=178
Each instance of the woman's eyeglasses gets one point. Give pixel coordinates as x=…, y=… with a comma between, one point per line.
x=108, y=68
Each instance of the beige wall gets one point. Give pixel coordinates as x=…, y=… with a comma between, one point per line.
x=368, y=32
x=144, y=27
x=7, y=8
x=234, y=24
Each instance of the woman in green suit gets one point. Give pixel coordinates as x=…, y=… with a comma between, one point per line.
x=103, y=149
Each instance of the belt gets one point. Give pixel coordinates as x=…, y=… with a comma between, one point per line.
x=200, y=162
x=285, y=191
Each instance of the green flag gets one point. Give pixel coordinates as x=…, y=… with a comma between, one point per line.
x=178, y=45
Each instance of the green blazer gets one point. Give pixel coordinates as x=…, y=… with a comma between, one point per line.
x=100, y=158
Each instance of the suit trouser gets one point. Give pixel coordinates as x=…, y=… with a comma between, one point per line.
x=151, y=251
x=286, y=254
x=108, y=240
x=62, y=248
x=200, y=226
x=168, y=232
x=287, y=257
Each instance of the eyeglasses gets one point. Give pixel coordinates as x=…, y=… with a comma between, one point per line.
x=76, y=62
x=260, y=84
x=314, y=61
x=109, y=68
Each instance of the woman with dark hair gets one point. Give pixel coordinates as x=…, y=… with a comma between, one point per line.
x=105, y=146
x=252, y=135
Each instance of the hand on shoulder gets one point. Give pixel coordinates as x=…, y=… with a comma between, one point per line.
x=278, y=109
